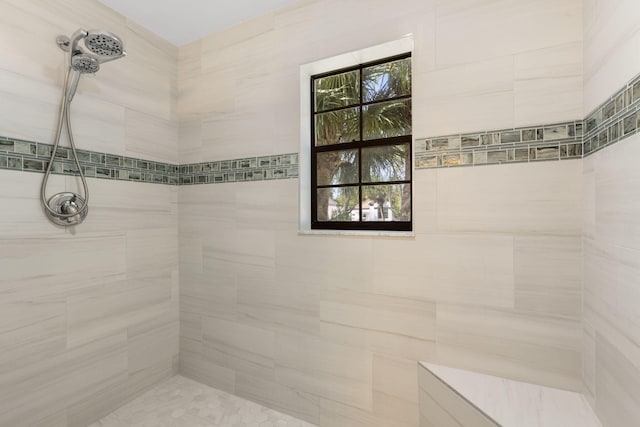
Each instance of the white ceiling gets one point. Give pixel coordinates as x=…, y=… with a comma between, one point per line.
x=183, y=21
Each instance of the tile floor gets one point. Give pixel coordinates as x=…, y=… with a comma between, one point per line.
x=181, y=402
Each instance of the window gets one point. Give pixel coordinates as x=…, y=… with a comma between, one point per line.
x=361, y=147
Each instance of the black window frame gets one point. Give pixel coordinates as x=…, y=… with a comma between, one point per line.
x=391, y=141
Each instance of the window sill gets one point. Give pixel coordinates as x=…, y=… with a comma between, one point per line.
x=359, y=233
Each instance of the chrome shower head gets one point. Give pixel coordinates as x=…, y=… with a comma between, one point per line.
x=104, y=43
x=84, y=64
x=95, y=46
x=87, y=50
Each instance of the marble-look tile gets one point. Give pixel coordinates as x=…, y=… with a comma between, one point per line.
x=149, y=137
x=152, y=250
x=240, y=347
x=562, y=24
x=208, y=295
x=98, y=125
x=179, y=401
x=425, y=183
x=334, y=413
x=300, y=404
x=190, y=137
x=547, y=275
x=517, y=345
x=114, y=307
x=480, y=77
x=153, y=342
x=336, y=372
x=442, y=405
x=409, y=317
x=395, y=389
x=80, y=265
x=27, y=217
x=399, y=269
x=280, y=303
x=611, y=349
x=194, y=364
x=62, y=380
x=119, y=206
x=617, y=384
x=588, y=358
x=610, y=288
x=617, y=182
x=476, y=399
x=611, y=40
x=400, y=346
x=548, y=85
x=29, y=107
x=190, y=60
x=112, y=396
x=462, y=113
x=487, y=277
x=589, y=196
x=481, y=200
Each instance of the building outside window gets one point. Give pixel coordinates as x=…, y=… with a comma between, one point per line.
x=361, y=147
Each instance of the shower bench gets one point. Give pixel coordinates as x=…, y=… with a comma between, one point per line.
x=454, y=397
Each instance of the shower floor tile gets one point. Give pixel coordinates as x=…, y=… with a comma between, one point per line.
x=181, y=402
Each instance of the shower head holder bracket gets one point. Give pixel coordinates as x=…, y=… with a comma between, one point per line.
x=64, y=43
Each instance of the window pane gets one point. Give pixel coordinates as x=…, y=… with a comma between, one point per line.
x=337, y=167
x=339, y=90
x=338, y=126
x=386, y=81
x=386, y=202
x=388, y=163
x=387, y=119
x=338, y=204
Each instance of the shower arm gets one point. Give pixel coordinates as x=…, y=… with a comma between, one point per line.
x=75, y=38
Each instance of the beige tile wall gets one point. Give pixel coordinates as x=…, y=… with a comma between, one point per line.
x=329, y=328
x=611, y=266
x=325, y=328
x=611, y=369
x=88, y=316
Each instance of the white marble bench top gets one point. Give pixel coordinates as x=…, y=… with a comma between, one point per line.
x=518, y=404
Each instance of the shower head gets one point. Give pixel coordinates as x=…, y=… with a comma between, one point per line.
x=84, y=63
x=104, y=44
x=87, y=50
x=95, y=46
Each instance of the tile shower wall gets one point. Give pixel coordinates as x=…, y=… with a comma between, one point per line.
x=611, y=368
x=329, y=328
x=88, y=317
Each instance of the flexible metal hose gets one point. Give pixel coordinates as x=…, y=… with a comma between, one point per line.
x=66, y=117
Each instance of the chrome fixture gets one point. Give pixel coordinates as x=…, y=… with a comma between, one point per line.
x=87, y=50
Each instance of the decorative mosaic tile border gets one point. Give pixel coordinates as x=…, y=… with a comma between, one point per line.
x=527, y=144
x=30, y=156
x=264, y=168
x=615, y=119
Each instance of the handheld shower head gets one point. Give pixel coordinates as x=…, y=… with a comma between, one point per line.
x=84, y=63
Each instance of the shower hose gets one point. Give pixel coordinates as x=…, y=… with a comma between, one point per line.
x=65, y=116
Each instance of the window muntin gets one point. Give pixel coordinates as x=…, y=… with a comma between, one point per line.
x=361, y=147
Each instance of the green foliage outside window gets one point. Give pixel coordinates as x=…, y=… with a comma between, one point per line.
x=362, y=146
